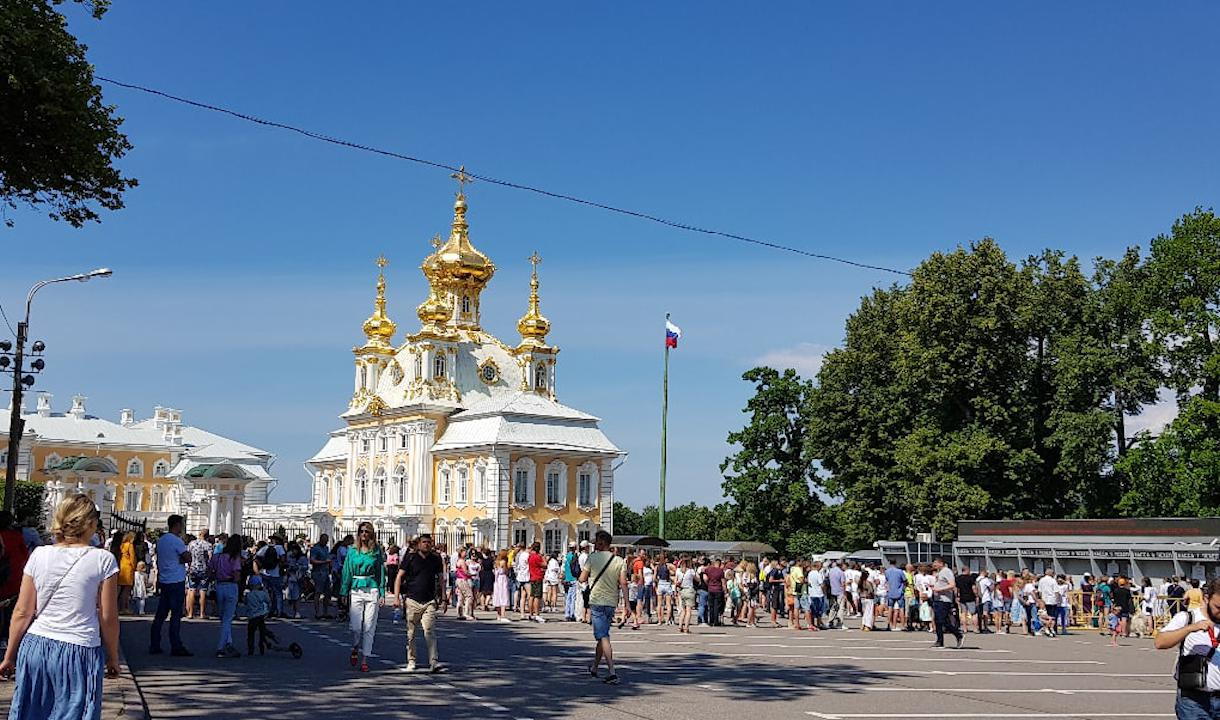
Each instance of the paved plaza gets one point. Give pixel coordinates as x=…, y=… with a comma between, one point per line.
x=526, y=670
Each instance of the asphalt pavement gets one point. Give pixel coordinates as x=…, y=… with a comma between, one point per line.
x=533, y=671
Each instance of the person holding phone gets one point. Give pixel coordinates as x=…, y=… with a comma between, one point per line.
x=64, y=636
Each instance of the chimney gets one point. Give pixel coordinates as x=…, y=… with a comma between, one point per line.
x=43, y=407
x=159, y=415
x=127, y=417
x=78, y=407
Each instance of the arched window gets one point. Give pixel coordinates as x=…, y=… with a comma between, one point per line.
x=131, y=498
x=465, y=304
x=540, y=377
x=523, y=482
x=419, y=367
x=446, y=490
x=160, y=469
x=362, y=489
x=586, y=485
x=135, y=468
x=364, y=376
x=323, y=489
x=379, y=487
x=338, y=490
x=156, y=503
x=400, y=485
x=462, y=485
x=438, y=366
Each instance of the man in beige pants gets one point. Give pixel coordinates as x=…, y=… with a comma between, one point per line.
x=421, y=580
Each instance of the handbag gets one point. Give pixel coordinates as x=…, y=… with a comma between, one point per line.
x=584, y=594
x=1192, y=668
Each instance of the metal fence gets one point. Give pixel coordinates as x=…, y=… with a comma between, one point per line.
x=264, y=530
x=124, y=524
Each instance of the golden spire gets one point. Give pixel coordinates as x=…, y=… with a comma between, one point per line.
x=457, y=260
x=533, y=326
x=379, y=328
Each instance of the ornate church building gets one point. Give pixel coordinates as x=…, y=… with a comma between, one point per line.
x=456, y=432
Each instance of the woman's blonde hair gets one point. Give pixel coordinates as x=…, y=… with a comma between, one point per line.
x=75, y=519
x=374, y=544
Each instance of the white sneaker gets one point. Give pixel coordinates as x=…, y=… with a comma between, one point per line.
x=539, y=618
x=410, y=668
x=297, y=616
x=504, y=620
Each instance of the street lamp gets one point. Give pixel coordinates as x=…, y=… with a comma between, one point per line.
x=22, y=381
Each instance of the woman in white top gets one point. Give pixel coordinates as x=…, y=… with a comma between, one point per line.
x=686, y=593
x=65, y=632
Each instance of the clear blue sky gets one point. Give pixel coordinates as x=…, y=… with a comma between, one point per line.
x=883, y=132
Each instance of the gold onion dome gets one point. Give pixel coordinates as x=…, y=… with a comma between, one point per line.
x=457, y=261
x=533, y=326
x=432, y=311
x=379, y=328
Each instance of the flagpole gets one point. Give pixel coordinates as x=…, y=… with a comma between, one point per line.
x=664, y=430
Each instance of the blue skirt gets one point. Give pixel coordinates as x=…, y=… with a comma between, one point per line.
x=57, y=680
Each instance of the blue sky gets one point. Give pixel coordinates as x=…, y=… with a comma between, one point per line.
x=880, y=131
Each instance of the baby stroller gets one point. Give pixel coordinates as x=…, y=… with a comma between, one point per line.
x=257, y=606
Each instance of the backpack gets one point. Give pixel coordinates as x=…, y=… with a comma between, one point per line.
x=574, y=566
x=269, y=558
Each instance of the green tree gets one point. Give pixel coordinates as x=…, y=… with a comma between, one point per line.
x=58, y=139
x=29, y=502
x=626, y=520
x=1178, y=473
x=770, y=479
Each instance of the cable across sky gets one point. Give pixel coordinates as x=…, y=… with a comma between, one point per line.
x=314, y=135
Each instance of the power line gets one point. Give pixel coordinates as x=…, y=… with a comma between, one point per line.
x=494, y=181
x=6, y=322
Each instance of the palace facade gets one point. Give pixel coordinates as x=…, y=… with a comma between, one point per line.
x=455, y=432
x=142, y=469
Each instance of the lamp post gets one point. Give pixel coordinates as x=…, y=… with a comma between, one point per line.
x=22, y=381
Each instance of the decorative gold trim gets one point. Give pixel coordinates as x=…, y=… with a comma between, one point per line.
x=376, y=406
x=489, y=362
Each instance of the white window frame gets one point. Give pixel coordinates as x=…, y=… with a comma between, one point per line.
x=444, y=487
x=156, y=500
x=337, y=486
x=529, y=468
x=480, y=483
x=540, y=378
x=438, y=366
x=160, y=469
x=585, y=530
x=138, y=465
x=561, y=469
x=522, y=530
x=324, y=489
x=128, y=490
x=379, y=487
x=591, y=470
x=383, y=443
x=400, y=485
x=362, y=489
x=48, y=462
x=462, y=496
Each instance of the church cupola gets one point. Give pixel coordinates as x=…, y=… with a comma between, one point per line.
x=537, y=359
x=457, y=272
x=377, y=353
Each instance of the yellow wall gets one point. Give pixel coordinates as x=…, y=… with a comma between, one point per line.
x=121, y=458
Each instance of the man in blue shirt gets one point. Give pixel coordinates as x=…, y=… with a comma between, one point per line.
x=895, y=594
x=835, y=616
x=172, y=557
x=319, y=572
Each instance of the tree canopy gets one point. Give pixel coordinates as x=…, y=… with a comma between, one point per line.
x=58, y=139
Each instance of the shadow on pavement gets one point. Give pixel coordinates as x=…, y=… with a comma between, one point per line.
x=528, y=673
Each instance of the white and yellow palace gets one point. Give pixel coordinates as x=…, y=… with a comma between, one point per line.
x=455, y=432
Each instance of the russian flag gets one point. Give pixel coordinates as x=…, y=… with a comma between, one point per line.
x=672, y=333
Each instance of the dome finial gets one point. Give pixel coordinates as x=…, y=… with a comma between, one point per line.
x=533, y=326
x=379, y=328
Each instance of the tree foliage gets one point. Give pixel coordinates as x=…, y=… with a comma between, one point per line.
x=58, y=139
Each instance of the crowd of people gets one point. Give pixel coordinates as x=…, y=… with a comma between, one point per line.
x=66, y=596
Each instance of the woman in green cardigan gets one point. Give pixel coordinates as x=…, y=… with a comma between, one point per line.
x=362, y=579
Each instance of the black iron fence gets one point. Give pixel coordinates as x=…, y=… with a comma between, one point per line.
x=122, y=523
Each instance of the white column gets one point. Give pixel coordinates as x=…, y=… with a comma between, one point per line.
x=419, y=442
x=498, y=498
x=605, y=499
x=213, y=511
x=235, y=526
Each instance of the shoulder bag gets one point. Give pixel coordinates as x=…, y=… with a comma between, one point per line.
x=584, y=594
x=1192, y=668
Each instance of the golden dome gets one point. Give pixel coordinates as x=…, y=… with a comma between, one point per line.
x=432, y=311
x=533, y=326
x=379, y=328
x=457, y=261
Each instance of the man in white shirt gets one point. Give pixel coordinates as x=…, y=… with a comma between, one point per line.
x=172, y=557
x=1048, y=595
x=817, y=595
x=521, y=567
x=944, y=601
x=984, y=588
